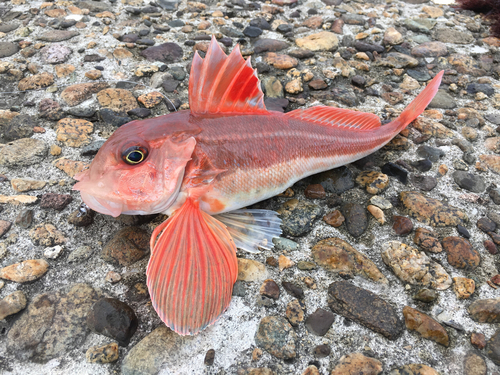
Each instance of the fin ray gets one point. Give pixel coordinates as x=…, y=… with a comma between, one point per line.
x=252, y=229
x=221, y=84
x=192, y=269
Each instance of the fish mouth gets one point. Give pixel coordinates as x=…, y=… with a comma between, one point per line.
x=104, y=206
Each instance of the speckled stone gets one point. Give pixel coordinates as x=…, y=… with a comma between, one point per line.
x=276, y=336
x=460, y=253
x=103, y=354
x=357, y=363
x=485, y=310
x=427, y=327
x=298, y=217
x=126, y=247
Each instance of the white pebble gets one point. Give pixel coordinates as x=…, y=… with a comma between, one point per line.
x=52, y=252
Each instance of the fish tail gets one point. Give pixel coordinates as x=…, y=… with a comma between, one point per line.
x=192, y=269
x=418, y=105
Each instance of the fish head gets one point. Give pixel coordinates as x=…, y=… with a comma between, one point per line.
x=134, y=175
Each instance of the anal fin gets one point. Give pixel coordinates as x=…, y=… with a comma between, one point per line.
x=252, y=229
x=192, y=269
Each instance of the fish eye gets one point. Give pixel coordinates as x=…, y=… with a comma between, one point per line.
x=134, y=155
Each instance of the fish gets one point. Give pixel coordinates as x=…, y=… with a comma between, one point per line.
x=204, y=165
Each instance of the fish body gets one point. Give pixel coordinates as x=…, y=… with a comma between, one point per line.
x=227, y=152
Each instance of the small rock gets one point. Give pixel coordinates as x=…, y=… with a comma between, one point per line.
x=414, y=369
x=293, y=289
x=113, y=318
x=285, y=262
x=443, y=100
x=392, y=36
x=166, y=53
x=151, y=99
x=52, y=252
x=81, y=217
x=78, y=93
x=478, y=340
x=460, y=253
x=427, y=327
x=81, y=254
x=357, y=363
x=281, y=243
x=276, y=336
x=12, y=304
x=270, y=289
x=427, y=240
x=298, y=217
x=493, y=348
x=356, y=219
x=315, y=191
x=126, y=247
x=55, y=53
x=320, y=322
x=485, y=310
x=47, y=235
x=375, y=182
x=414, y=267
x=334, y=218
x=250, y=270
x=469, y=181
x=430, y=49
x=24, y=219
x=103, y=354
x=26, y=184
x=426, y=295
x=337, y=255
x=56, y=201
x=364, y=307
x=337, y=180
x=474, y=364
x=23, y=152
x=323, y=41
x=377, y=213
x=486, y=225
x=36, y=81
x=322, y=351
x=402, y=225
x=395, y=170
x=424, y=183
x=295, y=312
x=463, y=287
x=118, y=100
x=29, y=270
x=74, y=132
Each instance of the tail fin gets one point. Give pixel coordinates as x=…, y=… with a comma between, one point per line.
x=418, y=105
x=192, y=269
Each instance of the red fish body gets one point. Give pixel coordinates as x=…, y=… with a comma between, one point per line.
x=227, y=152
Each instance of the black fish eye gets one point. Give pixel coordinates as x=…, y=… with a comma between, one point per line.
x=134, y=155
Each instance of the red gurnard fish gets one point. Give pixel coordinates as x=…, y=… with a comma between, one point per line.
x=227, y=152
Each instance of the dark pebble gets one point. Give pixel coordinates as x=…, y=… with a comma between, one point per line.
x=55, y=201
x=272, y=261
x=239, y=289
x=395, y=170
x=91, y=149
x=493, y=118
x=93, y=58
x=402, y=225
x=431, y=153
x=166, y=53
x=24, y=219
x=425, y=183
x=356, y=219
x=176, y=23
x=365, y=308
x=113, y=318
x=320, y=322
x=368, y=47
x=480, y=87
x=112, y=118
x=495, y=195
x=170, y=85
x=336, y=181
x=284, y=28
x=486, y=225
x=322, y=351
x=495, y=237
x=493, y=348
x=173, y=104
x=129, y=38
x=210, y=357
x=178, y=72
x=469, y=158
x=293, y=289
x=301, y=53
x=81, y=111
x=422, y=165
x=334, y=200
x=260, y=23
x=145, y=42
x=315, y=191
x=252, y=31
x=491, y=247
x=270, y=289
x=463, y=231
x=82, y=217
x=469, y=181
x=139, y=112
x=418, y=75
x=358, y=80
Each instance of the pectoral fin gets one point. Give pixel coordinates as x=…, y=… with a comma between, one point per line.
x=192, y=269
x=252, y=229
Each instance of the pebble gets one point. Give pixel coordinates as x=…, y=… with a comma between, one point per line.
x=56, y=201
x=315, y=191
x=374, y=182
x=8, y=49
x=251, y=270
x=427, y=240
x=151, y=99
x=112, y=277
x=430, y=49
x=337, y=180
x=443, y=100
x=80, y=254
x=491, y=247
x=81, y=218
x=295, y=312
x=113, y=318
x=55, y=54
x=127, y=246
x=392, y=36
x=298, y=217
x=469, y=181
x=365, y=308
x=47, y=235
x=53, y=252
x=414, y=369
x=166, y=53
x=118, y=100
x=103, y=354
x=12, y=304
x=463, y=287
x=381, y=202
x=284, y=244
x=60, y=315
x=486, y=225
x=323, y=41
x=337, y=255
x=29, y=270
x=460, y=253
x=493, y=348
x=356, y=219
x=474, y=364
x=23, y=152
x=78, y=93
x=320, y=322
x=293, y=289
x=21, y=185
x=426, y=295
x=284, y=262
x=402, y=225
x=334, y=218
x=270, y=289
x=414, y=267
x=394, y=170
x=24, y=219
x=322, y=351
x=357, y=363
x=280, y=61
x=424, y=183
x=478, y=340
x=427, y=327
x=431, y=211
x=276, y=336
x=485, y=310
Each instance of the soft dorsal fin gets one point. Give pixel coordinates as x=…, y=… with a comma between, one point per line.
x=221, y=84
x=337, y=117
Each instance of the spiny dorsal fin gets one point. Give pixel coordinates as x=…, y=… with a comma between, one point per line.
x=221, y=84
x=337, y=117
